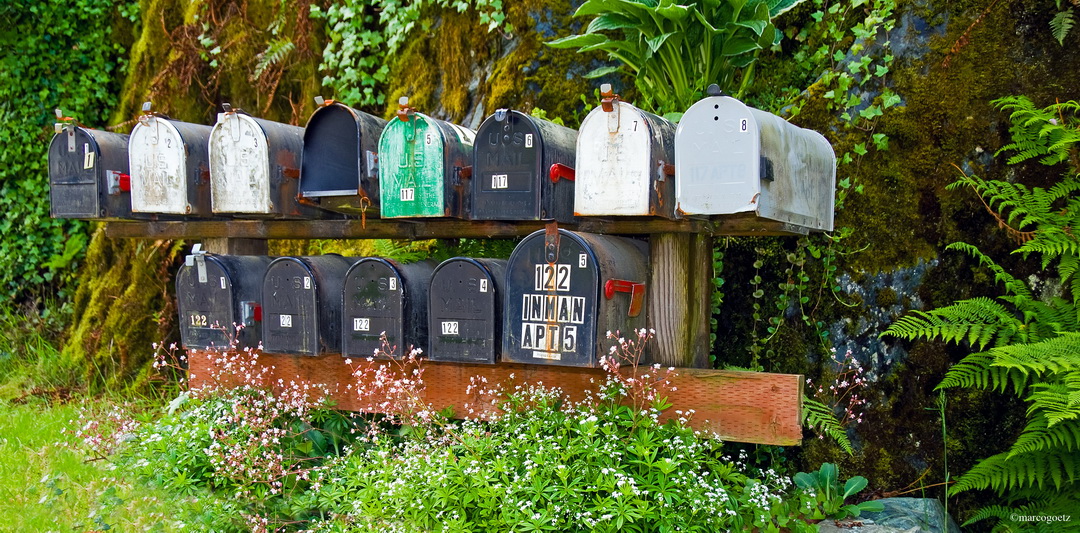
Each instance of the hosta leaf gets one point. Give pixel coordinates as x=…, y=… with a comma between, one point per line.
x=739, y=45
x=674, y=12
x=612, y=21
x=577, y=41
x=778, y=7
x=602, y=71
x=757, y=26
x=656, y=42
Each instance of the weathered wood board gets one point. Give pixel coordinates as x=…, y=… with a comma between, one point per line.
x=752, y=407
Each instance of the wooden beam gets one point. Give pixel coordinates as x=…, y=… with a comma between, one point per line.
x=434, y=228
x=753, y=407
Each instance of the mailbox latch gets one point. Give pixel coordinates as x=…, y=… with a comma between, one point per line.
x=609, y=102
x=636, y=290
x=372, y=162
x=404, y=111
x=551, y=242
x=118, y=182
x=766, y=169
x=197, y=259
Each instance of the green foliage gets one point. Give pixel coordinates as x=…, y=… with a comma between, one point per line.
x=673, y=51
x=1062, y=23
x=829, y=495
x=55, y=54
x=364, y=34
x=820, y=417
x=1049, y=133
x=1033, y=335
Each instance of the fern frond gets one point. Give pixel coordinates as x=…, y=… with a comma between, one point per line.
x=275, y=53
x=1012, y=285
x=977, y=371
x=1052, y=402
x=1038, y=435
x=977, y=321
x=1061, y=24
x=1058, y=354
x=820, y=418
x=1003, y=472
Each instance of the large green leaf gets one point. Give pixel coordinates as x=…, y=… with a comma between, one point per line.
x=739, y=45
x=656, y=42
x=778, y=7
x=576, y=41
x=675, y=12
x=756, y=26
x=612, y=21
x=602, y=71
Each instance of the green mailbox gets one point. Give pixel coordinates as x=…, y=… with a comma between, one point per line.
x=424, y=166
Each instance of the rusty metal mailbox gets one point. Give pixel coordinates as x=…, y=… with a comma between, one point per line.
x=424, y=166
x=217, y=293
x=523, y=169
x=88, y=173
x=170, y=170
x=255, y=167
x=566, y=290
x=465, y=310
x=731, y=158
x=302, y=304
x=625, y=161
x=385, y=297
x=340, y=170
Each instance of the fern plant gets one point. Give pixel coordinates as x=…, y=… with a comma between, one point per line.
x=821, y=418
x=1027, y=341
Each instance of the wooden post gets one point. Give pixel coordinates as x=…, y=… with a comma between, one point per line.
x=679, y=300
x=228, y=246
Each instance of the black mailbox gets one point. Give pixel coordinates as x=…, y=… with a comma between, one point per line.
x=88, y=174
x=340, y=171
x=566, y=290
x=255, y=167
x=170, y=166
x=384, y=296
x=302, y=304
x=217, y=293
x=465, y=310
x=523, y=169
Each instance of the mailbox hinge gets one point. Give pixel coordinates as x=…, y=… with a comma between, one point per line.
x=197, y=259
x=636, y=290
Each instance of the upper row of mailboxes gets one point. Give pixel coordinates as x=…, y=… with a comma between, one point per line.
x=723, y=158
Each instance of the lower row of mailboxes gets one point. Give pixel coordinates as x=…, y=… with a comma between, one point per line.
x=550, y=303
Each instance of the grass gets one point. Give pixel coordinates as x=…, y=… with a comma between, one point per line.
x=46, y=484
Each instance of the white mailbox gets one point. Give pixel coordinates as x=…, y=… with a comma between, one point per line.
x=255, y=167
x=169, y=164
x=624, y=161
x=732, y=159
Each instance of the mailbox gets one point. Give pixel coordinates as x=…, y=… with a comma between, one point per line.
x=255, y=167
x=217, y=293
x=465, y=310
x=523, y=169
x=340, y=168
x=170, y=170
x=731, y=158
x=302, y=304
x=424, y=166
x=566, y=290
x=385, y=296
x=88, y=174
x=624, y=161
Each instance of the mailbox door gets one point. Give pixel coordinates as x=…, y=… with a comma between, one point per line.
x=551, y=302
x=506, y=168
x=620, y=160
x=464, y=310
x=86, y=174
x=302, y=305
x=239, y=166
x=717, y=158
x=170, y=170
x=159, y=181
x=216, y=297
x=383, y=296
x=411, y=168
x=339, y=170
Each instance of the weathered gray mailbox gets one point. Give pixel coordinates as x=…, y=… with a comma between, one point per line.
x=88, y=173
x=170, y=170
x=340, y=169
x=302, y=304
x=566, y=290
x=217, y=293
x=523, y=169
x=625, y=161
x=465, y=310
x=424, y=166
x=255, y=167
x=384, y=296
x=731, y=159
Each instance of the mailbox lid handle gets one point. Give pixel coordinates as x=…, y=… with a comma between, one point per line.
x=558, y=170
x=636, y=290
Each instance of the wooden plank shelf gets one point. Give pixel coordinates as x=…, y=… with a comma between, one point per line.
x=754, y=407
x=433, y=228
